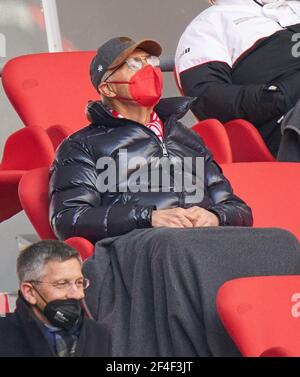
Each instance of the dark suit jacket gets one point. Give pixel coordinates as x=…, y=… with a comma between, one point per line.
x=22, y=335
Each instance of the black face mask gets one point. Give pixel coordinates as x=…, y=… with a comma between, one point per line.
x=64, y=314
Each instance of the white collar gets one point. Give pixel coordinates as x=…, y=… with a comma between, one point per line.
x=284, y=12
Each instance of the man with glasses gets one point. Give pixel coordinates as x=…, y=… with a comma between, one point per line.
x=161, y=249
x=132, y=119
x=110, y=182
x=51, y=318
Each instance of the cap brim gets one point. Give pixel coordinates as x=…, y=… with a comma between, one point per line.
x=148, y=45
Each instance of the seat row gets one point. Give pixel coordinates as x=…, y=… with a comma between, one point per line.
x=50, y=91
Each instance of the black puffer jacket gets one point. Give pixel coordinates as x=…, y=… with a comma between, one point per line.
x=78, y=209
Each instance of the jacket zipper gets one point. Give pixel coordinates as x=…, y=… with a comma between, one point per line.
x=162, y=144
x=164, y=149
x=151, y=133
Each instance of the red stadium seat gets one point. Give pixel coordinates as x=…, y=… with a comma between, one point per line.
x=246, y=142
x=83, y=246
x=33, y=193
x=271, y=189
x=262, y=314
x=215, y=138
x=24, y=150
x=50, y=89
x=57, y=134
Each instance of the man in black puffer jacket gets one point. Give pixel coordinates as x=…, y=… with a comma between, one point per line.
x=130, y=119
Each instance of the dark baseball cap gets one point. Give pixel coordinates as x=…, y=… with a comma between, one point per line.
x=114, y=52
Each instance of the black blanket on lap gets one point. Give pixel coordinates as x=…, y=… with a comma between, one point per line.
x=156, y=288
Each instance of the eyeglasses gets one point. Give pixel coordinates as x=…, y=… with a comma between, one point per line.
x=66, y=284
x=136, y=63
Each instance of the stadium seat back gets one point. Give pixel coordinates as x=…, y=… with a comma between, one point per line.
x=26, y=149
x=262, y=314
x=246, y=142
x=50, y=88
x=240, y=136
x=215, y=138
x=33, y=194
x=271, y=189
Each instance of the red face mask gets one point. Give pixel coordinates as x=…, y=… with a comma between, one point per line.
x=145, y=86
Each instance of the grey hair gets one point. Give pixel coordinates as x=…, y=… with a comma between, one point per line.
x=32, y=260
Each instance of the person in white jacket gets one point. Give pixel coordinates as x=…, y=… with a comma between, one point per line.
x=240, y=58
